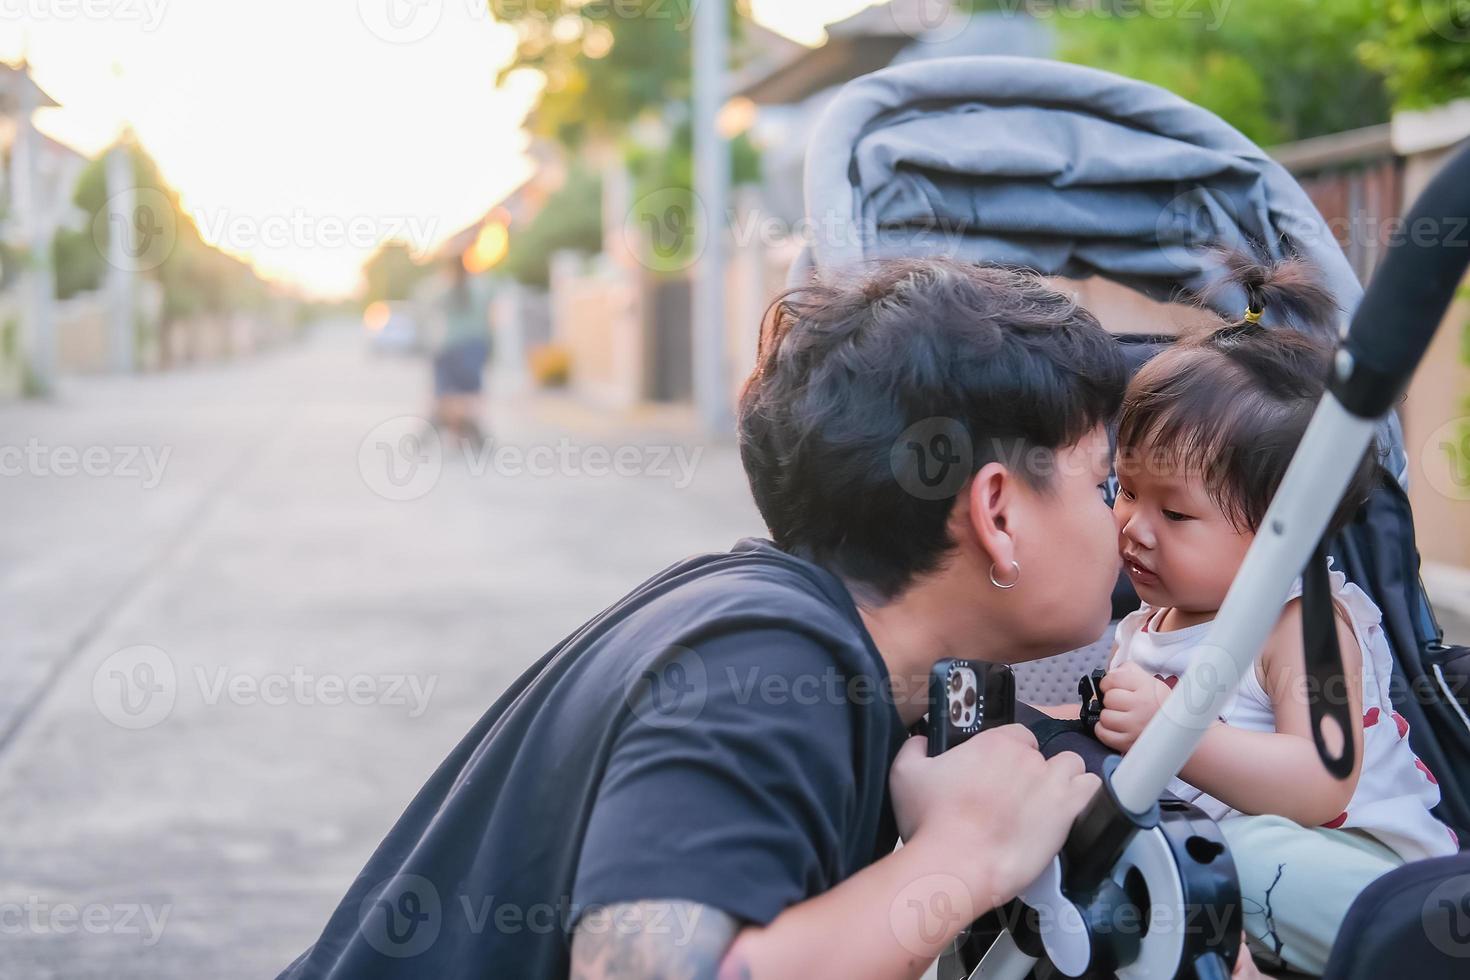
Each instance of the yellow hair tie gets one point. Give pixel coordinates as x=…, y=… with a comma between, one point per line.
x=1253, y=316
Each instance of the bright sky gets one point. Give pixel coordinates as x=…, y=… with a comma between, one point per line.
x=300, y=133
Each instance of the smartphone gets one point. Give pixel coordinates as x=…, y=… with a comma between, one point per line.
x=967, y=697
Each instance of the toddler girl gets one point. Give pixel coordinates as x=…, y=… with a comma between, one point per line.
x=1205, y=434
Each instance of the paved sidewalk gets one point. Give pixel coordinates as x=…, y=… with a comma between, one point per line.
x=186, y=783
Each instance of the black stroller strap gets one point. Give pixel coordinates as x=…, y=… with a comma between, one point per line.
x=1324, y=669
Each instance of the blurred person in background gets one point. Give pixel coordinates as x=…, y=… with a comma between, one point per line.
x=459, y=361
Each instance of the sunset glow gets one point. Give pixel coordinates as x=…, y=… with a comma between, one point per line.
x=301, y=135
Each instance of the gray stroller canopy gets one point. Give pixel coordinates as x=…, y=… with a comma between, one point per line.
x=1063, y=169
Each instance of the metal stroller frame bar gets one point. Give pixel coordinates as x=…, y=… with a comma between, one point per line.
x=1387, y=339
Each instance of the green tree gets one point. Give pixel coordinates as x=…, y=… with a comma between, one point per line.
x=608, y=64
x=570, y=219
x=604, y=61
x=196, y=277
x=391, y=273
x=79, y=266
x=672, y=166
x=1423, y=51
x=1277, y=70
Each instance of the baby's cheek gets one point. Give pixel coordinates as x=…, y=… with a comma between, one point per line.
x=1228, y=563
x=1210, y=580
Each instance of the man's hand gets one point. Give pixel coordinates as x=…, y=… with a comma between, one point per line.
x=1131, y=696
x=991, y=812
x=1000, y=807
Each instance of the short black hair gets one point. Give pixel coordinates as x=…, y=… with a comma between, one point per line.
x=849, y=365
x=1232, y=404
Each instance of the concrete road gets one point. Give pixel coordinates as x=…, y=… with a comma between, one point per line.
x=248, y=610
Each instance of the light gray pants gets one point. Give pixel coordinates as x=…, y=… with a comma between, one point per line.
x=1296, y=884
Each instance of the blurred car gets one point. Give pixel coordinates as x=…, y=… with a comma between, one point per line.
x=392, y=328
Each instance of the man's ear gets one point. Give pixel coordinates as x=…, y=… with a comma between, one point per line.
x=991, y=499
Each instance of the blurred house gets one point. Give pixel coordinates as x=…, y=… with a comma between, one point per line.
x=35, y=187
x=1363, y=182
x=626, y=320
x=627, y=327
x=57, y=164
x=115, y=316
x=58, y=167
x=792, y=87
x=79, y=324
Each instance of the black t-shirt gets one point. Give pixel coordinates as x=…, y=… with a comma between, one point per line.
x=721, y=735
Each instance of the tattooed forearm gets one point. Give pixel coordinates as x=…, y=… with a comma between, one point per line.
x=654, y=940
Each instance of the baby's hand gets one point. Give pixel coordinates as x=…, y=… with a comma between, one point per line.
x=1131, y=696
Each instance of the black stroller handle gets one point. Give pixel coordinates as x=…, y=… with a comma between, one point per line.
x=1408, y=295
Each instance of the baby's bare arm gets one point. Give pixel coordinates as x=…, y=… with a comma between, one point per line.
x=1280, y=772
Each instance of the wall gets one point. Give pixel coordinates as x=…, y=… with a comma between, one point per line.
x=596, y=315
x=82, y=342
x=12, y=371
x=1434, y=411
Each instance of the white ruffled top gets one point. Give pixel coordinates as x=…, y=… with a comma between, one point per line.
x=1395, y=789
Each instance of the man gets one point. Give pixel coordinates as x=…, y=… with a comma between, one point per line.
x=709, y=778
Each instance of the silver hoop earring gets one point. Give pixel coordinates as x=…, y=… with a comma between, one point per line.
x=1014, y=564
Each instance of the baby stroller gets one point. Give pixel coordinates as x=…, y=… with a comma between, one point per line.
x=1077, y=173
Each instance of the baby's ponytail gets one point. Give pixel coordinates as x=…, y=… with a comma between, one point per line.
x=1289, y=359
x=1289, y=293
